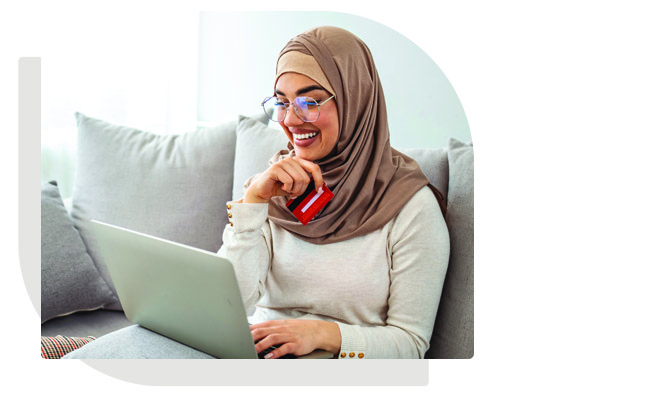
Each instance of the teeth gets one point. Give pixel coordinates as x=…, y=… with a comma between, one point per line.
x=304, y=136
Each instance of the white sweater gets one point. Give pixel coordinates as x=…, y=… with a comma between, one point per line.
x=382, y=289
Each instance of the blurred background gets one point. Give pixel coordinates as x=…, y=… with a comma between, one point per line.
x=174, y=72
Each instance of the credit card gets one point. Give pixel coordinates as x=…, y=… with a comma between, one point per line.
x=307, y=205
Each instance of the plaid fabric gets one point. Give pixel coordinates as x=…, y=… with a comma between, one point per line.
x=58, y=346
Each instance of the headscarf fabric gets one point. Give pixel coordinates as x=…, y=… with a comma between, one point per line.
x=370, y=180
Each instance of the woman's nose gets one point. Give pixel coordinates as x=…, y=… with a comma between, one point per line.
x=291, y=118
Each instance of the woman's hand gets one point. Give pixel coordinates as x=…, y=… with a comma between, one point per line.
x=289, y=177
x=296, y=336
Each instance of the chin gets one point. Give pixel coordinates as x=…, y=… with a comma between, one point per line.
x=304, y=156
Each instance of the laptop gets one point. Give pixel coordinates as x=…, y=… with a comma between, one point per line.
x=184, y=293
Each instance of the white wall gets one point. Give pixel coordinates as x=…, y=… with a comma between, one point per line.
x=130, y=69
x=238, y=52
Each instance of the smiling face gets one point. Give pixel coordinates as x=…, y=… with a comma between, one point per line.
x=326, y=129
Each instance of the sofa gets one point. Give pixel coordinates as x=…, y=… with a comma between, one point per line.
x=175, y=187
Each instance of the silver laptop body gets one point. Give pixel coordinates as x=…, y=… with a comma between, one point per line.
x=184, y=293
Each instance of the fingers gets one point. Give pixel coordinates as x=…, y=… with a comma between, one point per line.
x=267, y=337
x=296, y=336
x=285, y=181
x=314, y=170
x=299, y=178
x=293, y=174
x=287, y=348
x=288, y=336
x=275, y=339
x=289, y=177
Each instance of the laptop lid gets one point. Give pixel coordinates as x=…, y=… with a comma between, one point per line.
x=184, y=293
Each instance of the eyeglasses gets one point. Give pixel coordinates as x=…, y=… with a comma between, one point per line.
x=306, y=108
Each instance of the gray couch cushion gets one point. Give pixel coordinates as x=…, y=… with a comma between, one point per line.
x=69, y=280
x=453, y=334
x=136, y=342
x=170, y=186
x=256, y=144
x=89, y=323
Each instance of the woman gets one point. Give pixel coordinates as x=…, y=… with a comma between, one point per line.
x=363, y=278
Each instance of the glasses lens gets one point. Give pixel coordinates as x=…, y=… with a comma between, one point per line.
x=307, y=108
x=274, y=109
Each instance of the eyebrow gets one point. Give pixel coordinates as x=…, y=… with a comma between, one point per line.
x=303, y=90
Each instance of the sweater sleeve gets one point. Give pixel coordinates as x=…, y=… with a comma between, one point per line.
x=418, y=254
x=247, y=245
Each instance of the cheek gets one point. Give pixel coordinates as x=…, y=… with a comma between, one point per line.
x=330, y=130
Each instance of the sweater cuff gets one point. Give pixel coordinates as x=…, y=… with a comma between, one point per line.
x=353, y=342
x=245, y=217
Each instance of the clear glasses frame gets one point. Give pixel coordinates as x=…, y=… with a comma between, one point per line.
x=299, y=112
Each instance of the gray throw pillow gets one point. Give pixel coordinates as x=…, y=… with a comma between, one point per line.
x=453, y=333
x=69, y=280
x=434, y=164
x=256, y=144
x=170, y=186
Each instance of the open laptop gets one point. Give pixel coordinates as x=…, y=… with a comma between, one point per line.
x=184, y=293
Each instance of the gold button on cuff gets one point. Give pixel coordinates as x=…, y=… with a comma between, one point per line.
x=351, y=354
x=229, y=215
x=229, y=206
x=361, y=355
x=231, y=224
x=343, y=355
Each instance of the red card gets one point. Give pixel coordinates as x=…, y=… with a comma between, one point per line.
x=308, y=204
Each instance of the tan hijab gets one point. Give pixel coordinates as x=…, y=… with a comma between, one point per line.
x=370, y=180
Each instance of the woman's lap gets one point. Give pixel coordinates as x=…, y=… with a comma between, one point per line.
x=136, y=342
